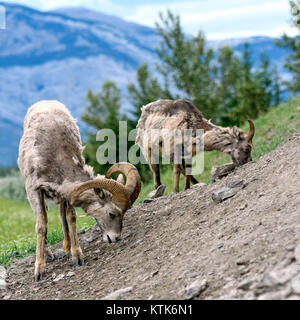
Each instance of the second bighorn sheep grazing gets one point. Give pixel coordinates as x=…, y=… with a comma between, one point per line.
x=50, y=158
x=170, y=115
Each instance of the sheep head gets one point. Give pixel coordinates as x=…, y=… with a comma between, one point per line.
x=241, y=145
x=107, y=200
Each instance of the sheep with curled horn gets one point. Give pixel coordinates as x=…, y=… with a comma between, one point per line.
x=50, y=158
x=169, y=115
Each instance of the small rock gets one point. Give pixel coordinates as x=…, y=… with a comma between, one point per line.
x=290, y=247
x=3, y=284
x=245, y=284
x=296, y=284
x=51, y=258
x=89, y=239
x=59, y=277
x=26, y=261
x=297, y=253
x=97, y=228
x=146, y=278
x=219, y=172
x=228, y=191
x=3, y=275
x=7, y=297
x=117, y=295
x=242, y=262
x=198, y=185
x=289, y=259
x=243, y=207
x=70, y=274
x=235, y=184
x=281, y=276
x=59, y=253
x=159, y=192
x=271, y=296
x=196, y=288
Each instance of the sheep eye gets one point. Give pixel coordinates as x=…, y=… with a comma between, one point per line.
x=112, y=216
x=100, y=193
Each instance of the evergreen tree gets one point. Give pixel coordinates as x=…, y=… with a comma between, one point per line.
x=229, y=73
x=188, y=63
x=263, y=78
x=147, y=90
x=103, y=111
x=254, y=89
x=276, y=88
x=292, y=62
x=244, y=102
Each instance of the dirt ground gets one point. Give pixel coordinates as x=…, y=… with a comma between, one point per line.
x=244, y=247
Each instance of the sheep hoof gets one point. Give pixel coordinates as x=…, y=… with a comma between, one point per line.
x=39, y=276
x=78, y=262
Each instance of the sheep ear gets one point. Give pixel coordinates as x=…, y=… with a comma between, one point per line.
x=236, y=132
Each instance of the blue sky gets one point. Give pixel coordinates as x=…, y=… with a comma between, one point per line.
x=219, y=19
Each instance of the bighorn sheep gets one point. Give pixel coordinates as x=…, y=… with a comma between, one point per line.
x=50, y=158
x=168, y=115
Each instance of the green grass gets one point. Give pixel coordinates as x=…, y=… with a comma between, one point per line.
x=270, y=130
x=17, y=228
x=17, y=221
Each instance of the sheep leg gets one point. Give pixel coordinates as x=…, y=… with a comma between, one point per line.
x=37, y=202
x=194, y=180
x=187, y=182
x=155, y=170
x=49, y=255
x=177, y=171
x=63, y=217
x=189, y=178
x=156, y=173
x=77, y=256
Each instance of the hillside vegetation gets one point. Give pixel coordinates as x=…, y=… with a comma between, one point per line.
x=17, y=221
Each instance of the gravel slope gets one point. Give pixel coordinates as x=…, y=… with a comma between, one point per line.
x=244, y=247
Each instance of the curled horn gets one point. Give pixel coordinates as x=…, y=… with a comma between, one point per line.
x=133, y=179
x=120, y=195
x=251, y=131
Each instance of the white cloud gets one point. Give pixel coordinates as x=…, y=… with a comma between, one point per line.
x=239, y=18
x=218, y=18
x=274, y=33
x=55, y=4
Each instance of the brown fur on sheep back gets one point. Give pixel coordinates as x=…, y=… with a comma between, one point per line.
x=51, y=149
x=172, y=114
